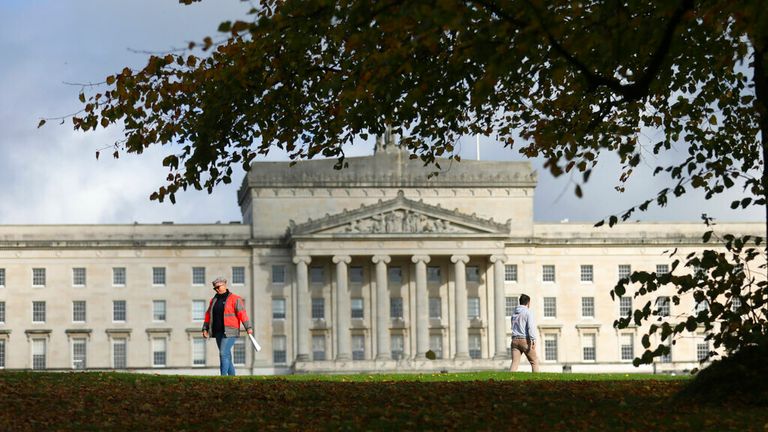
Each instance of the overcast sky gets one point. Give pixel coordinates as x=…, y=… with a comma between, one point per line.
x=50, y=175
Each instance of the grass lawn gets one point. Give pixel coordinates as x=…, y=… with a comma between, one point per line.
x=469, y=401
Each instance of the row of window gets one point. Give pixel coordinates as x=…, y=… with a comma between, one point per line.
x=358, y=309
x=120, y=276
x=119, y=311
x=317, y=274
x=586, y=272
x=159, y=352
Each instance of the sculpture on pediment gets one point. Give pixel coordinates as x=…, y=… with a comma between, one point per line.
x=398, y=221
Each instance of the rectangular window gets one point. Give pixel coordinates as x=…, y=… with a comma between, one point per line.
x=510, y=303
x=318, y=308
x=279, y=354
x=2, y=277
x=627, y=346
x=435, y=308
x=357, y=308
x=473, y=274
x=588, y=347
x=624, y=271
x=433, y=274
x=587, y=273
x=735, y=304
x=78, y=276
x=547, y=273
x=475, y=348
x=318, y=348
x=278, y=308
x=118, y=276
x=550, y=307
x=198, y=275
x=2, y=312
x=356, y=275
x=550, y=347
x=78, y=311
x=79, y=353
x=278, y=274
x=158, y=310
x=159, y=351
x=662, y=269
x=701, y=307
x=396, y=307
x=395, y=275
x=238, y=275
x=702, y=349
x=316, y=275
x=238, y=352
x=39, y=351
x=436, y=345
x=2, y=353
x=38, y=277
x=625, y=306
x=119, y=353
x=198, y=351
x=118, y=311
x=358, y=347
x=198, y=310
x=158, y=275
x=473, y=307
x=510, y=273
x=666, y=358
x=662, y=306
x=398, y=345
x=588, y=307
x=38, y=311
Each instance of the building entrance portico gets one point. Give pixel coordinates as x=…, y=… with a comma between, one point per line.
x=381, y=265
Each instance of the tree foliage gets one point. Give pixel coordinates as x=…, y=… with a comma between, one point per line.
x=564, y=80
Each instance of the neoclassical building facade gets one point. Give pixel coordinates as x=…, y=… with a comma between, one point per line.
x=372, y=268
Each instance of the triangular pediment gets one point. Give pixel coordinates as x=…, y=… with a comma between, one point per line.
x=398, y=216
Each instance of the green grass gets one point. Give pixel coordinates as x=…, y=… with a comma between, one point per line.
x=462, y=401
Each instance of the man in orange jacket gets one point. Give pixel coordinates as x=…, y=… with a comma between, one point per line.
x=222, y=321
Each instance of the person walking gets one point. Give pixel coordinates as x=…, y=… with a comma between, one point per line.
x=222, y=321
x=524, y=335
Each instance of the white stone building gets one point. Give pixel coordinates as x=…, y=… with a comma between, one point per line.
x=364, y=269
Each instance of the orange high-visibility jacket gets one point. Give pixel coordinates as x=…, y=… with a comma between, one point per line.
x=234, y=314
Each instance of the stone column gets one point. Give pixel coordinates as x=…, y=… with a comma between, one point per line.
x=499, y=305
x=382, y=308
x=343, y=313
x=422, y=306
x=462, y=323
x=303, y=313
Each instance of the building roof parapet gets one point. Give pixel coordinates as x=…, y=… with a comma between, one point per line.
x=390, y=169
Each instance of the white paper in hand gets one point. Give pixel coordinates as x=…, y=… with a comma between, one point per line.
x=255, y=344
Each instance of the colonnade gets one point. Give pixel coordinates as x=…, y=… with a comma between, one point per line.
x=342, y=320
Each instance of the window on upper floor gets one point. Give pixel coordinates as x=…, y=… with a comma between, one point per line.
x=238, y=275
x=396, y=307
x=198, y=275
x=356, y=275
x=548, y=273
x=510, y=303
x=78, y=276
x=38, y=277
x=473, y=274
x=357, y=308
x=278, y=274
x=158, y=275
x=587, y=273
x=550, y=307
x=278, y=308
x=318, y=308
x=510, y=273
x=473, y=307
x=118, y=276
x=588, y=307
x=435, y=308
